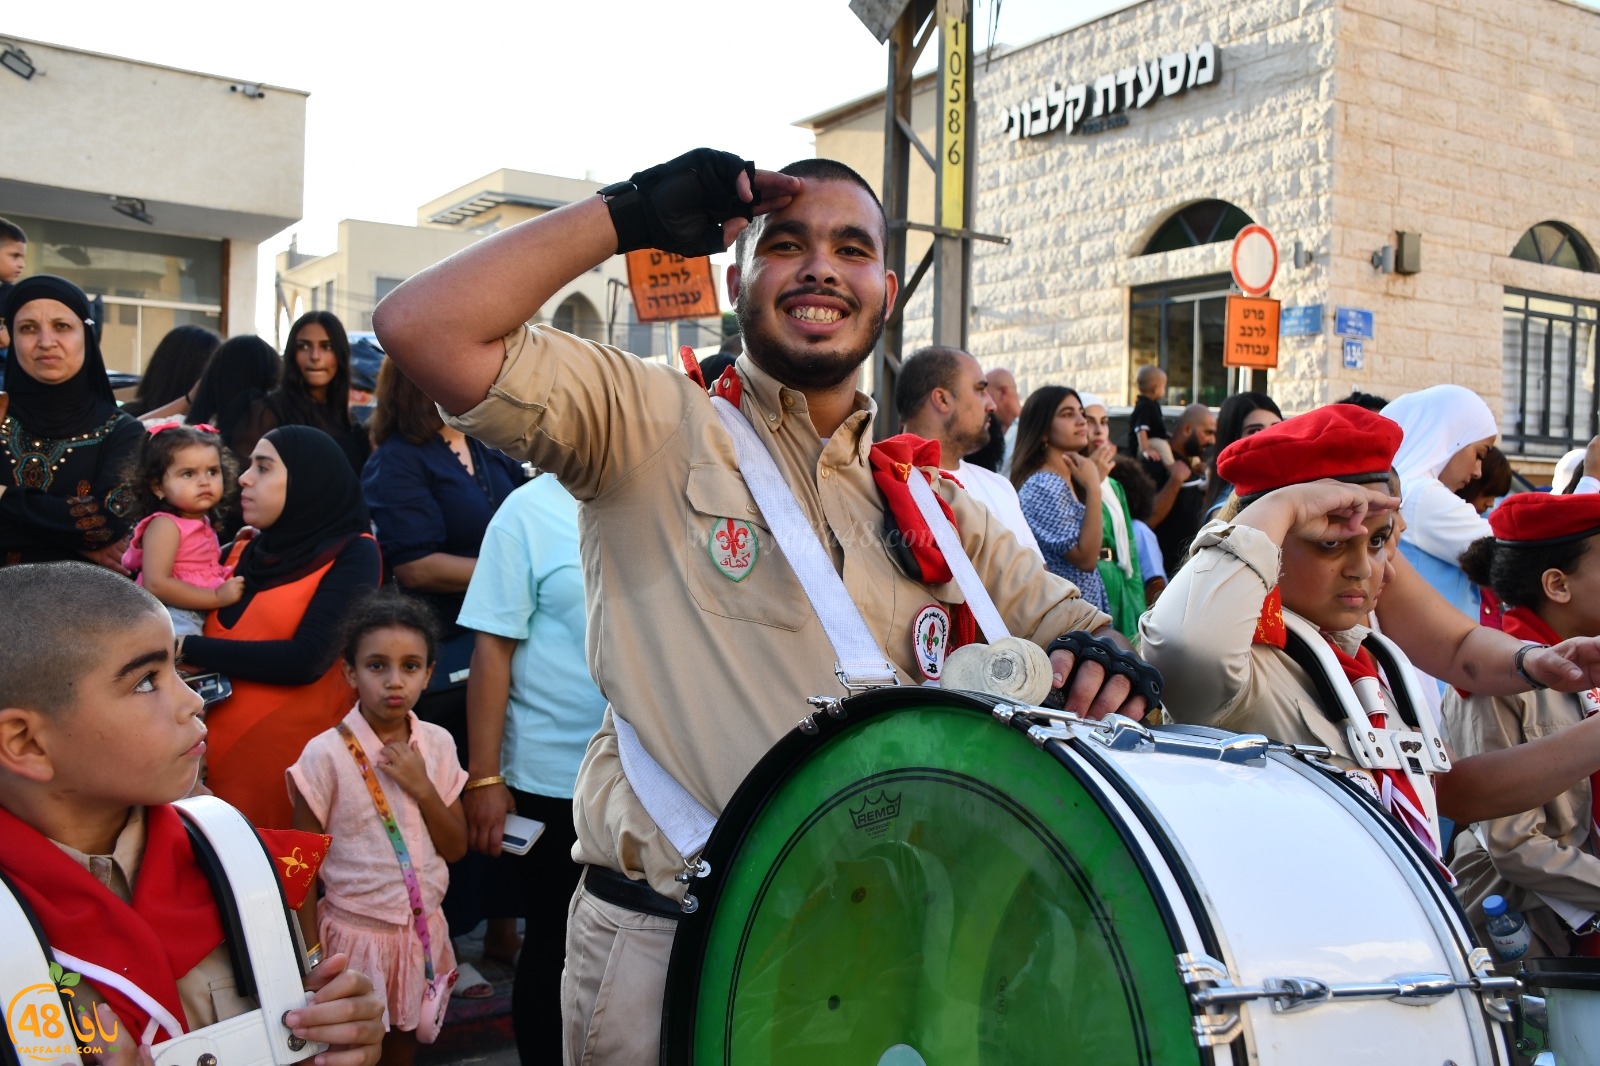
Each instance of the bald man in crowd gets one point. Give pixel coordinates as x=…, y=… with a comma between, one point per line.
x=942, y=394
x=995, y=454
x=1196, y=432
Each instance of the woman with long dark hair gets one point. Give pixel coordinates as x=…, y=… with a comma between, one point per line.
x=241, y=373
x=174, y=367
x=63, y=442
x=315, y=388
x=1242, y=415
x=1059, y=489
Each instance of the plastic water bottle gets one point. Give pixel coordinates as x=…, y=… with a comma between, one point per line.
x=1508, y=930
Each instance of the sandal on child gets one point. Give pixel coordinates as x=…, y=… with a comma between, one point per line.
x=472, y=984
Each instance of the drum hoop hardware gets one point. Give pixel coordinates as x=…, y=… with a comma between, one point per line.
x=1119, y=733
x=1212, y=989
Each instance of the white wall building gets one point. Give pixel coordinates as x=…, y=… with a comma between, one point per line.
x=1338, y=124
x=149, y=186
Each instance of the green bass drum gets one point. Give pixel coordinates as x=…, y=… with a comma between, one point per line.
x=904, y=881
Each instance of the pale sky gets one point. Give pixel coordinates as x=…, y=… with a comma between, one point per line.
x=409, y=102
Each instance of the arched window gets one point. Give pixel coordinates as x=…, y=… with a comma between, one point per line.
x=1556, y=244
x=1205, y=222
x=577, y=316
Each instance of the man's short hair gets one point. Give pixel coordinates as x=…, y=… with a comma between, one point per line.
x=1194, y=414
x=56, y=611
x=1146, y=375
x=10, y=231
x=814, y=170
x=926, y=369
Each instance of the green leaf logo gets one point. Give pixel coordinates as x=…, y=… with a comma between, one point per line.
x=55, y=972
x=71, y=979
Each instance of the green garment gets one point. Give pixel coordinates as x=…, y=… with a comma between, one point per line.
x=1124, y=591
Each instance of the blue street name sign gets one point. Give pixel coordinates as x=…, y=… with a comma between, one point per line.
x=1352, y=322
x=1300, y=321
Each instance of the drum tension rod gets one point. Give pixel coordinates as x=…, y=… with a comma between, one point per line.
x=832, y=705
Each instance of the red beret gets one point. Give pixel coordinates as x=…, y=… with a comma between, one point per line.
x=1338, y=441
x=1531, y=518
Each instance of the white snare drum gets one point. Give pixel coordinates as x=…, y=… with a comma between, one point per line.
x=919, y=876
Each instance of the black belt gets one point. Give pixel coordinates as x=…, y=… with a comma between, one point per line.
x=614, y=888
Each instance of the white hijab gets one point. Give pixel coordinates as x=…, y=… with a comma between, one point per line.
x=1438, y=422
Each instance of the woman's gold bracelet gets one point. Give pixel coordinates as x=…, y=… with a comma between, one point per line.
x=482, y=782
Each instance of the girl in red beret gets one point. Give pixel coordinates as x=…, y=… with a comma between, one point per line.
x=1543, y=561
x=1312, y=534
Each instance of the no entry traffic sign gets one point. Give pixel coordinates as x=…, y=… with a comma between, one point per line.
x=1254, y=260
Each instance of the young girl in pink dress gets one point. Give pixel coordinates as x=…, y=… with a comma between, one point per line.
x=387, y=787
x=181, y=483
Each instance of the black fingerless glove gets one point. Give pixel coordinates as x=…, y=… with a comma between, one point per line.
x=1145, y=679
x=680, y=206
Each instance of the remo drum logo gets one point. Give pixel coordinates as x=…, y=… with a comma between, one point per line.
x=40, y=1029
x=875, y=814
x=734, y=547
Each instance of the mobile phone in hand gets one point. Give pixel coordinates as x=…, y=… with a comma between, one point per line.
x=519, y=834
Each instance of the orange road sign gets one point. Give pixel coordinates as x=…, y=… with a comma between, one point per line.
x=1251, y=336
x=667, y=286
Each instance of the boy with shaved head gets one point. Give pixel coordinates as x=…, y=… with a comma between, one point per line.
x=98, y=735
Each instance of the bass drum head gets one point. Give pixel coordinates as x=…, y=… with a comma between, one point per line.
x=921, y=884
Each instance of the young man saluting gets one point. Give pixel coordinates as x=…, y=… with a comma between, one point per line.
x=700, y=633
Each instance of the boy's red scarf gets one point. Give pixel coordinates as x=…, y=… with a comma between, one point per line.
x=171, y=925
x=894, y=461
x=1395, y=787
x=1524, y=624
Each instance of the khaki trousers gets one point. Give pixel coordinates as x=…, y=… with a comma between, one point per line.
x=614, y=983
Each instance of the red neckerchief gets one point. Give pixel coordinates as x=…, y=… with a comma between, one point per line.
x=892, y=462
x=691, y=365
x=173, y=922
x=170, y=926
x=1524, y=624
x=1395, y=786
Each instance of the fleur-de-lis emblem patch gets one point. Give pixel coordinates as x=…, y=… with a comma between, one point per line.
x=734, y=547
x=293, y=863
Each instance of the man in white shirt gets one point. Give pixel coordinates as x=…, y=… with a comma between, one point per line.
x=942, y=394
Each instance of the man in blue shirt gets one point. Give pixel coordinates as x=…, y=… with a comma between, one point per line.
x=531, y=709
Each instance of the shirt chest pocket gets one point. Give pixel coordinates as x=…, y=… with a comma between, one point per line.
x=731, y=559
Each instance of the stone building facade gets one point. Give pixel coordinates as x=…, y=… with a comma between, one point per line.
x=1340, y=125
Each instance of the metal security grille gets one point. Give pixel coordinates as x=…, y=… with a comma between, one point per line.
x=1548, y=378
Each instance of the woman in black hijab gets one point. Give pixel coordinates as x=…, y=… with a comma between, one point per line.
x=279, y=645
x=315, y=388
x=63, y=442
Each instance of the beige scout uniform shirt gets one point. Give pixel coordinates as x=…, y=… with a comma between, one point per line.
x=1201, y=636
x=1548, y=850
x=711, y=672
x=208, y=991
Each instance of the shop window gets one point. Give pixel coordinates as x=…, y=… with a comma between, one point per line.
x=1556, y=244
x=1205, y=222
x=1548, y=398
x=1178, y=326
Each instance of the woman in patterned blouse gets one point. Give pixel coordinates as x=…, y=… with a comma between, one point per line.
x=1060, y=489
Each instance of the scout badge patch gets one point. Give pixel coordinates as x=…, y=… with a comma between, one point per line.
x=734, y=547
x=931, y=635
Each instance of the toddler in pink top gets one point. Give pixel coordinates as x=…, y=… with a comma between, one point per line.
x=180, y=482
x=372, y=895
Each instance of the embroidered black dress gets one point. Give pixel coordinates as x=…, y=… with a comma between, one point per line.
x=63, y=449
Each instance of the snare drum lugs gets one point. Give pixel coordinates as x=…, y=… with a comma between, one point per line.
x=911, y=880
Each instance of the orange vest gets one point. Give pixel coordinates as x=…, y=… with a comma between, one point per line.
x=257, y=733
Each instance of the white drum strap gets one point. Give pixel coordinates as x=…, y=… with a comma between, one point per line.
x=676, y=813
x=859, y=662
x=944, y=535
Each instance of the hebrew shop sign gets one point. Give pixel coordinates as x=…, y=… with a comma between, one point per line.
x=1102, y=104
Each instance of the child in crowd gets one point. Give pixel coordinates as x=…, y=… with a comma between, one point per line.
x=1311, y=531
x=1147, y=428
x=387, y=786
x=98, y=735
x=1544, y=563
x=182, y=483
x=13, y=262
